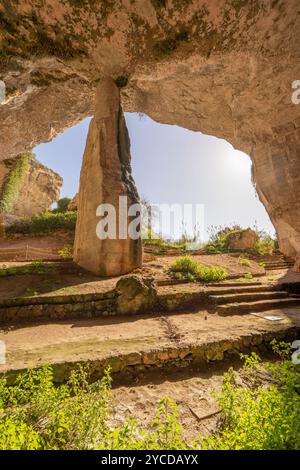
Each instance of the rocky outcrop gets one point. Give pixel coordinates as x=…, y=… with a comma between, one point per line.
x=27, y=187
x=224, y=68
x=105, y=176
x=73, y=204
x=242, y=239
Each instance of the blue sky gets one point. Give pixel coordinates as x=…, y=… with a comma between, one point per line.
x=172, y=165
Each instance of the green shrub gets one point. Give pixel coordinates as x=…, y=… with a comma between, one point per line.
x=248, y=276
x=219, y=240
x=259, y=410
x=13, y=182
x=192, y=270
x=212, y=274
x=36, y=414
x=62, y=205
x=265, y=246
x=44, y=223
x=36, y=267
x=66, y=252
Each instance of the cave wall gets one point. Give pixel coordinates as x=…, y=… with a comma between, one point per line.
x=222, y=67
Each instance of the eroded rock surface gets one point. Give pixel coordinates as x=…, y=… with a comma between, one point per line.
x=222, y=67
x=135, y=294
x=242, y=239
x=105, y=176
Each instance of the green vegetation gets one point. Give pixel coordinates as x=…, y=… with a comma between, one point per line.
x=36, y=267
x=66, y=252
x=62, y=205
x=248, y=276
x=244, y=262
x=35, y=414
x=259, y=410
x=187, y=268
x=256, y=416
x=44, y=223
x=220, y=236
x=265, y=246
x=13, y=182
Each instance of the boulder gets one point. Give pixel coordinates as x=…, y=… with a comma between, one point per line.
x=135, y=294
x=242, y=239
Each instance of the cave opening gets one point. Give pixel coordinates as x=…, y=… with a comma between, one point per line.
x=172, y=165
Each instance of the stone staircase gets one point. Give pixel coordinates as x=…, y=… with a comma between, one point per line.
x=237, y=299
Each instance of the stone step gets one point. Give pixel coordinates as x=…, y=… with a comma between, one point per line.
x=279, y=263
x=258, y=306
x=248, y=297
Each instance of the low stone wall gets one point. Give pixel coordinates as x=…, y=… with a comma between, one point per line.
x=89, y=306
x=178, y=355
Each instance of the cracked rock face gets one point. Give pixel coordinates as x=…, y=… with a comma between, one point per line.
x=39, y=188
x=221, y=67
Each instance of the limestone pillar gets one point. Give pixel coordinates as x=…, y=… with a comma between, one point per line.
x=106, y=175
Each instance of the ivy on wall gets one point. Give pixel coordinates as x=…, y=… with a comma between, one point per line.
x=13, y=183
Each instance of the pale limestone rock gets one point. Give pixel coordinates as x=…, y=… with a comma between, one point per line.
x=224, y=68
x=39, y=188
x=105, y=175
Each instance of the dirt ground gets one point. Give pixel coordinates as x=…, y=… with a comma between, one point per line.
x=191, y=387
x=56, y=342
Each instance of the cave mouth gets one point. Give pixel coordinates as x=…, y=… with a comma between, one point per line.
x=172, y=165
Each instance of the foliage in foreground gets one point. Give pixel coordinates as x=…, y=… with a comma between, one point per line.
x=260, y=409
x=187, y=268
x=259, y=417
x=37, y=415
x=44, y=223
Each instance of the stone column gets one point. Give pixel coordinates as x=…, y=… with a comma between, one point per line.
x=106, y=175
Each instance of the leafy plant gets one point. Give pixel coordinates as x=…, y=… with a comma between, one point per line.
x=36, y=414
x=36, y=267
x=62, y=205
x=66, y=252
x=244, y=262
x=13, y=182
